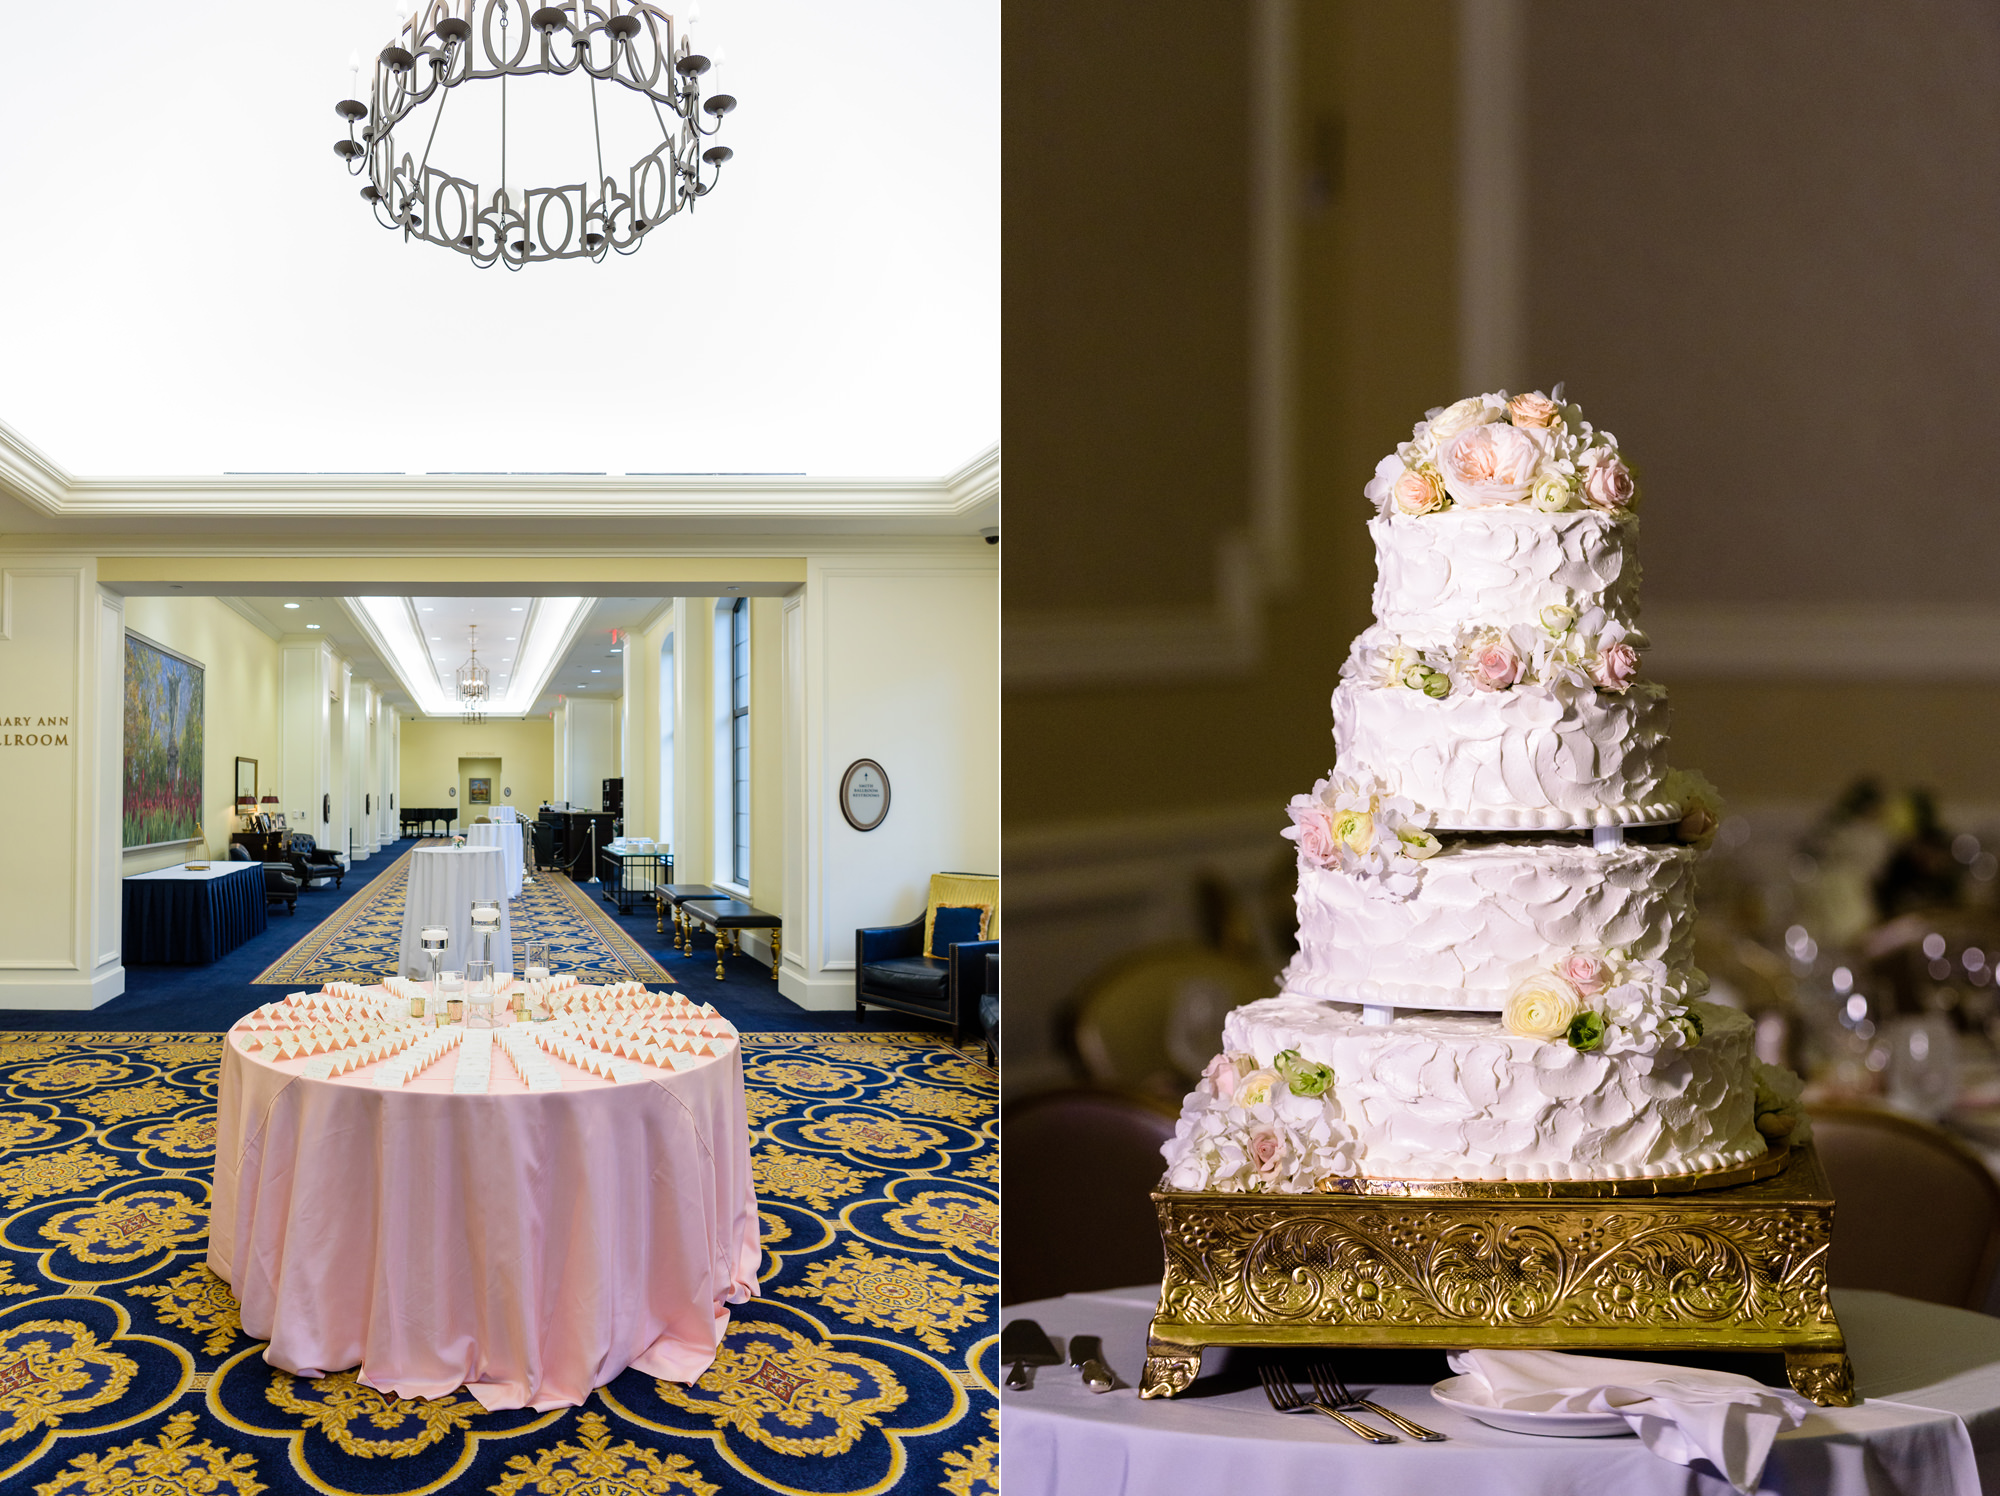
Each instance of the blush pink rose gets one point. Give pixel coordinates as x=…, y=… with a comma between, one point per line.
x=1221, y=1076
x=1585, y=973
x=1267, y=1151
x=1609, y=485
x=1495, y=667
x=1536, y=410
x=1491, y=464
x=1418, y=491
x=1617, y=665
x=1312, y=829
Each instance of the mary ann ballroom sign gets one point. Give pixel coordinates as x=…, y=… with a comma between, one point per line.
x=34, y=732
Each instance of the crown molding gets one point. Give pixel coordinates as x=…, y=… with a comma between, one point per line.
x=36, y=481
x=1854, y=642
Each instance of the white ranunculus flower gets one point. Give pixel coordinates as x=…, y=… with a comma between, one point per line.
x=1542, y=1007
x=1558, y=619
x=1463, y=415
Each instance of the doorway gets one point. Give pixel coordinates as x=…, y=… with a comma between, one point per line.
x=478, y=788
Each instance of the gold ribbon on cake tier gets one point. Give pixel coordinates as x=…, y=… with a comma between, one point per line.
x=1736, y=1266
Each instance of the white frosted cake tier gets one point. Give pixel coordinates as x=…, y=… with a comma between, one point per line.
x=1528, y=758
x=1493, y=568
x=1484, y=918
x=1452, y=1096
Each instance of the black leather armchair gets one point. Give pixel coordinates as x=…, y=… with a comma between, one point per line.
x=892, y=971
x=314, y=863
x=281, y=884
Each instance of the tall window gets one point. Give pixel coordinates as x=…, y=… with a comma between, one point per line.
x=739, y=741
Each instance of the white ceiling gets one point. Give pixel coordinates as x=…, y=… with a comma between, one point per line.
x=590, y=665
x=194, y=286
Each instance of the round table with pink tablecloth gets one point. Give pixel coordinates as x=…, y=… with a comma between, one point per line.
x=527, y=1245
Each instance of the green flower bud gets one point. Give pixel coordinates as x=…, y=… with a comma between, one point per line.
x=1437, y=685
x=1586, y=1031
x=1303, y=1077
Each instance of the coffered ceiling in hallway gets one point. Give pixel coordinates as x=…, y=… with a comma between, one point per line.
x=194, y=286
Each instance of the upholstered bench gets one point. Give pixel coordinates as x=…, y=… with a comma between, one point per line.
x=729, y=918
x=677, y=896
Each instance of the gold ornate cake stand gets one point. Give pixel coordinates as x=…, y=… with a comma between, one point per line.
x=1730, y=1261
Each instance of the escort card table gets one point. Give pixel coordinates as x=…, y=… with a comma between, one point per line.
x=1929, y=1422
x=188, y=916
x=527, y=1245
x=507, y=837
x=444, y=881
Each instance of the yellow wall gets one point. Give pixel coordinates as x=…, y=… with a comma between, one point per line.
x=432, y=749
x=241, y=694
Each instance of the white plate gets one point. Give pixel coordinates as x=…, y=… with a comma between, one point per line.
x=1453, y=1393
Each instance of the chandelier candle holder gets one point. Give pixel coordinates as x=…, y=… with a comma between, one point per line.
x=472, y=683
x=444, y=46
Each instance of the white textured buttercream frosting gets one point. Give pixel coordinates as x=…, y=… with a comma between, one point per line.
x=1485, y=568
x=1483, y=918
x=1452, y=1096
x=1532, y=757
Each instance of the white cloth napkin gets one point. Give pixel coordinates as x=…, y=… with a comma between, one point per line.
x=1678, y=1412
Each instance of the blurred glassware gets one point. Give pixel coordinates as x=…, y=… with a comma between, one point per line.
x=1922, y=1072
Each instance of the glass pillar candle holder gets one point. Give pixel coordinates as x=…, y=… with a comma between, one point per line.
x=485, y=926
x=479, y=994
x=435, y=940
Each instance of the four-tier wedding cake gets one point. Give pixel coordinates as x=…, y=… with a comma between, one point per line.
x=1495, y=975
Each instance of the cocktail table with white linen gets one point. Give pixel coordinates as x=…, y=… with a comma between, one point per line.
x=527, y=1244
x=443, y=883
x=506, y=835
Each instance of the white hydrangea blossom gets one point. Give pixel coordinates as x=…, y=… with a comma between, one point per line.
x=1563, y=652
x=1282, y=1143
x=1352, y=822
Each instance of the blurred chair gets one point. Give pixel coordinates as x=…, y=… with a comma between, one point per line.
x=1076, y=1193
x=1916, y=1212
x=1153, y=1020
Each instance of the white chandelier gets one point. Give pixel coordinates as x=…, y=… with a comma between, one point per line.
x=472, y=695
x=446, y=45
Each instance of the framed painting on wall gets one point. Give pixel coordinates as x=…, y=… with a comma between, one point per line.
x=478, y=792
x=164, y=708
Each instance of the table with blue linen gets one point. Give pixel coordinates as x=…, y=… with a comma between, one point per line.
x=189, y=916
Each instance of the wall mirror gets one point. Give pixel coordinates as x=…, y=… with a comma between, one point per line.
x=246, y=778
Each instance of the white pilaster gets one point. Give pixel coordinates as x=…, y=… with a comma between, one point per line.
x=62, y=666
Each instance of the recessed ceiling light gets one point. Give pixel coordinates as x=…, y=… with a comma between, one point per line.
x=436, y=640
x=291, y=605
x=510, y=638
x=430, y=610
x=513, y=610
x=597, y=672
x=618, y=651
x=312, y=625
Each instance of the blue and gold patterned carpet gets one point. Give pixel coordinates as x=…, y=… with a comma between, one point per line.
x=359, y=941
x=867, y=1363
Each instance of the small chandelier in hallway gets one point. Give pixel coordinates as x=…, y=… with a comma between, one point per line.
x=449, y=43
x=472, y=684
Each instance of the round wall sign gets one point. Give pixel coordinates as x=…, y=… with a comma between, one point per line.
x=864, y=794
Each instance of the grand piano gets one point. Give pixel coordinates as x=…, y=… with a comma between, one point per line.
x=427, y=820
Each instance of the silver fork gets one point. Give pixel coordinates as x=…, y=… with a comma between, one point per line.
x=1335, y=1393
x=1285, y=1399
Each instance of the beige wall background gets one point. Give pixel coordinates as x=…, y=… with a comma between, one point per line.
x=432, y=749
x=241, y=686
